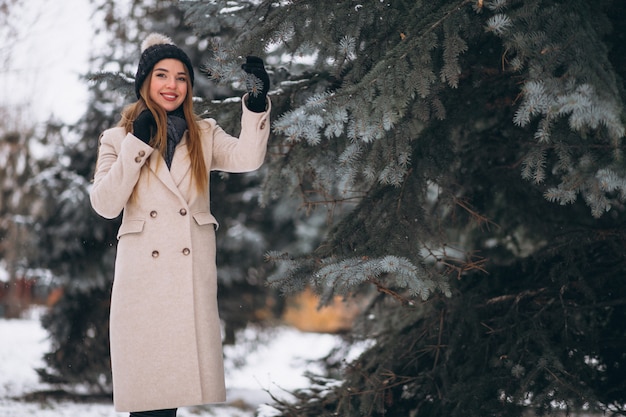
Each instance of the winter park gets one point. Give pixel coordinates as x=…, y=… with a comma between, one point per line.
x=312, y=208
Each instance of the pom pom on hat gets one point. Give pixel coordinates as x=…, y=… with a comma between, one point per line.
x=155, y=39
x=155, y=48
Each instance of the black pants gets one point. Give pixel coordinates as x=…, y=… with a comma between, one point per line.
x=155, y=413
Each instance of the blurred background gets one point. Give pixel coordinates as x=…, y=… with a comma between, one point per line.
x=440, y=219
x=44, y=58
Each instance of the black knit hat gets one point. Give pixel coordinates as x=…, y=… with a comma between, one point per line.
x=155, y=48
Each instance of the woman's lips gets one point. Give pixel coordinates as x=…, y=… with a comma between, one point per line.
x=169, y=96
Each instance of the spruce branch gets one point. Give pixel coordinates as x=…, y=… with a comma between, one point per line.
x=499, y=24
x=477, y=217
x=497, y=5
x=385, y=290
x=401, y=50
x=121, y=81
x=567, y=78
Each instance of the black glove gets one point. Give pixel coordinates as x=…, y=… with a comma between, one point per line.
x=257, y=83
x=144, y=126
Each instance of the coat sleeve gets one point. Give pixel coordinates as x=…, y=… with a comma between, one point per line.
x=247, y=152
x=120, y=158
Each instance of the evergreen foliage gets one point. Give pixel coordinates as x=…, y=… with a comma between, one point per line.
x=468, y=152
x=70, y=242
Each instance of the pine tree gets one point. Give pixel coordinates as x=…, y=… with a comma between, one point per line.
x=469, y=156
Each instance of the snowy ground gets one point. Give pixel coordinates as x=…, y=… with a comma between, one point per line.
x=260, y=362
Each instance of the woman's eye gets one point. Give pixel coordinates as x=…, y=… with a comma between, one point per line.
x=183, y=79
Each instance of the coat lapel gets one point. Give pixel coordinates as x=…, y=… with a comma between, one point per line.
x=181, y=165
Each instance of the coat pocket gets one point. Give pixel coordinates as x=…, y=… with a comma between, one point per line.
x=204, y=217
x=130, y=226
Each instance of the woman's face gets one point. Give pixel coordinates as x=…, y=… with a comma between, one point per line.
x=168, y=84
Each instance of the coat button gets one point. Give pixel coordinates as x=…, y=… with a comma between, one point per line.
x=155, y=253
x=183, y=212
x=263, y=124
x=140, y=156
x=186, y=251
x=153, y=214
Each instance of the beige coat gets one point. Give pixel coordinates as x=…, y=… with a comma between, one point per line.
x=166, y=348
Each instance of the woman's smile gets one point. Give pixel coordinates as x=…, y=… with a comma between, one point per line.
x=169, y=96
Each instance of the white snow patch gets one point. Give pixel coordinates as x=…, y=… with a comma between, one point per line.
x=261, y=361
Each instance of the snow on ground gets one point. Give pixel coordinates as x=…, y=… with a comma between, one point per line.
x=273, y=361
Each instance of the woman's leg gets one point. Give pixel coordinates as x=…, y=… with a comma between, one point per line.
x=155, y=413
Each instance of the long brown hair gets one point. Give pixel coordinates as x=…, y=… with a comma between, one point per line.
x=159, y=140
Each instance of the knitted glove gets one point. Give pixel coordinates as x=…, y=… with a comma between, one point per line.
x=257, y=83
x=144, y=126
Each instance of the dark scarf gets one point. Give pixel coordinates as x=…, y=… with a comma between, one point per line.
x=176, y=126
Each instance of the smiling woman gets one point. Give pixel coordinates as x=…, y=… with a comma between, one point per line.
x=43, y=64
x=168, y=84
x=166, y=346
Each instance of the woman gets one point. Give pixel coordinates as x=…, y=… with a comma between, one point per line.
x=154, y=167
